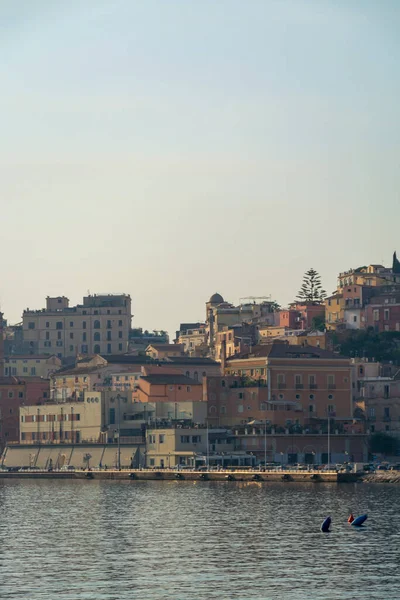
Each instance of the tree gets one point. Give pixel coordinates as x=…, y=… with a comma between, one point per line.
x=311, y=289
x=318, y=323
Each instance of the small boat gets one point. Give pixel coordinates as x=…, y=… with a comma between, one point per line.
x=351, y=518
x=326, y=524
x=358, y=521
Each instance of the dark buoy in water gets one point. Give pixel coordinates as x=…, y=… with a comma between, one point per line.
x=326, y=524
x=359, y=520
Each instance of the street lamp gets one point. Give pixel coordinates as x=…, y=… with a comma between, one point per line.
x=119, y=432
x=281, y=460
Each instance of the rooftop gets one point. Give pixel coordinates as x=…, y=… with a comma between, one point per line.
x=284, y=350
x=169, y=379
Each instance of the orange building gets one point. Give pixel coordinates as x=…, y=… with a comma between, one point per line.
x=316, y=380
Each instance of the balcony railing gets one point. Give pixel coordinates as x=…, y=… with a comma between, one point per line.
x=313, y=386
x=299, y=386
x=281, y=386
x=331, y=386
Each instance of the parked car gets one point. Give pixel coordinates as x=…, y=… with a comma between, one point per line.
x=67, y=468
x=382, y=468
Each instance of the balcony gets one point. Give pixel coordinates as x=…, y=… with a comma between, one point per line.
x=331, y=386
x=313, y=386
x=299, y=386
x=281, y=386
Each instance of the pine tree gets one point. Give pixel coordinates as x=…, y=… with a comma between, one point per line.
x=311, y=289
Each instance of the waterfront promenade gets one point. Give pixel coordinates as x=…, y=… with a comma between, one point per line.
x=248, y=475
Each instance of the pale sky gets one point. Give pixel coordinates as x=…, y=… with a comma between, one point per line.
x=174, y=148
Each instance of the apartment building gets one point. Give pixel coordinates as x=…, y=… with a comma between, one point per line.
x=100, y=325
x=31, y=365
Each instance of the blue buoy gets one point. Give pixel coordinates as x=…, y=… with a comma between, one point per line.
x=358, y=521
x=326, y=524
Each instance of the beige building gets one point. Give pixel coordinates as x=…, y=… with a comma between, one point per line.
x=31, y=365
x=161, y=351
x=193, y=337
x=100, y=325
x=167, y=448
x=73, y=422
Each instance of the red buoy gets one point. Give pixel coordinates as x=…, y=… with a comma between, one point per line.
x=350, y=519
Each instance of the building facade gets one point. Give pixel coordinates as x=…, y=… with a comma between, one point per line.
x=30, y=365
x=100, y=325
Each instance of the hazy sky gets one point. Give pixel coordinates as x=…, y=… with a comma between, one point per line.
x=174, y=148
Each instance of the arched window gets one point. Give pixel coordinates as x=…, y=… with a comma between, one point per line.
x=213, y=410
x=196, y=376
x=96, y=336
x=96, y=324
x=96, y=349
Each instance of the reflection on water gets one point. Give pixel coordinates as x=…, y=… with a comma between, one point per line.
x=154, y=540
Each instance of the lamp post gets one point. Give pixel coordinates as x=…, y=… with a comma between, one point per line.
x=282, y=461
x=265, y=444
x=119, y=433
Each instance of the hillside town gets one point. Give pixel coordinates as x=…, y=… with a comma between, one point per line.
x=314, y=383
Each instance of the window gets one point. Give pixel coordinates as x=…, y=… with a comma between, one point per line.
x=84, y=337
x=71, y=323
x=84, y=312
x=71, y=336
x=120, y=322
x=59, y=334
x=188, y=388
x=20, y=394
x=355, y=319
x=371, y=412
x=11, y=394
x=109, y=335
x=330, y=397
x=240, y=395
x=281, y=378
x=96, y=325
x=47, y=324
x=96, y=349
x=331, y=380
x=298, y=396
x=96, y=336
x=59, y=325
x=386, y=391
x=223, y=383
x=47, y=335
x=331, y=410
x=185, y=439
x=95, y=312
x=84, y=326
x=196, y=376
x=31, y=325
x=196, y=439
x=311, y=408
x=263, y=406
x=375, y=314
x=240, y=408
x=386, y=314
x=25, y=369
x=311, y=396
x=161, y=438
x=120, y=334
x=112, y=416
x=108, y=348
x=223, y=410
x=108, y=324
x=152, y=462
x=120, y=347
x=312, y=380
x=71, y=348
x=171, y=387
x=386, y=412
x=109, y=312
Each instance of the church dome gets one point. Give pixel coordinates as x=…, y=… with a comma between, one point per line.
x=216, y=299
